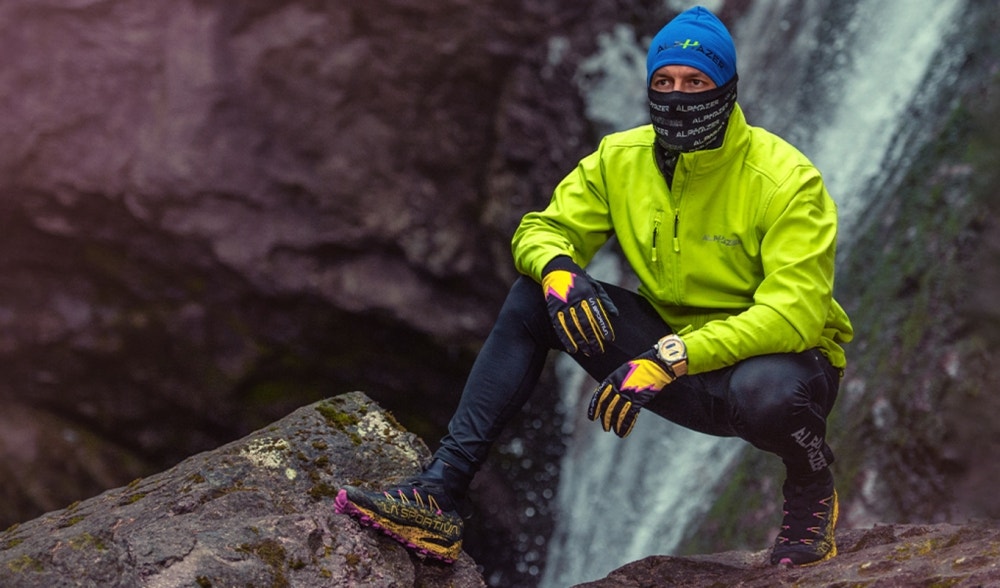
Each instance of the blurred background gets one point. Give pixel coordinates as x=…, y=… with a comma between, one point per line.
x=212, y=213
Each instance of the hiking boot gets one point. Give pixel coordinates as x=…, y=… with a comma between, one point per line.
x=807, y=529
x=422, y=513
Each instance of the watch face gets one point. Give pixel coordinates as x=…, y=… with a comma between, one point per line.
x=672, y=350
x=674, y=353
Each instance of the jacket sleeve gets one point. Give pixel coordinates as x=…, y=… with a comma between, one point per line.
x=576, y=221
x=794, y=300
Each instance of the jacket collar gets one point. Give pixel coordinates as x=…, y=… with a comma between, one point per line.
x=735, y=142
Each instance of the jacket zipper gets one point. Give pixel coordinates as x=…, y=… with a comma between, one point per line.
x=677, y=240
x=656, y=232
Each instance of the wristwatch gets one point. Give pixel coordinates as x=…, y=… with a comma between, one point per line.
x=672, y=351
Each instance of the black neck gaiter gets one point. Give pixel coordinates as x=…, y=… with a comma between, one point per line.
x=690, y=121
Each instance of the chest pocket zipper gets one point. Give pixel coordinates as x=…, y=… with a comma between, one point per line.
x=656, y=234
x=677, y=240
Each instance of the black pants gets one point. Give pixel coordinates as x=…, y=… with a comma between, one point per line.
x=778, y=403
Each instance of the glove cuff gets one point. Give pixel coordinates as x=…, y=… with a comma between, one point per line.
x=562, y=262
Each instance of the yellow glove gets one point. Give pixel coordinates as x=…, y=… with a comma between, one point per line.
x=578, y=306
x=617, y=400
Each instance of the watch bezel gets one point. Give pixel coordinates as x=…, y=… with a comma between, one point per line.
x=673, y=352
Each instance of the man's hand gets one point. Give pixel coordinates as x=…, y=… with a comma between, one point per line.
x=617, y=400
x=578, y=306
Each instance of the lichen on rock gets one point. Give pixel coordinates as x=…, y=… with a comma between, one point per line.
x=235, y=516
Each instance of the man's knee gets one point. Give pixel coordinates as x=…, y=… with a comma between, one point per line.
x=524, y=309
x=524, y=299
x=769, y=394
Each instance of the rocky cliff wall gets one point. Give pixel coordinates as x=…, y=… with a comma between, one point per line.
x=214, y=212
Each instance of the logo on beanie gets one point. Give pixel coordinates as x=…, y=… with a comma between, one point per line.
x=695, y=45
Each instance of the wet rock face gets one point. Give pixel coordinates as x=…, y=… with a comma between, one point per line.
x=215, y=212
x=255, y=512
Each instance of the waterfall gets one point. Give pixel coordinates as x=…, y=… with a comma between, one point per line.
x=837, y=79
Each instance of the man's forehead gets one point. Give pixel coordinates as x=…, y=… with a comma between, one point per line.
x=677, y=69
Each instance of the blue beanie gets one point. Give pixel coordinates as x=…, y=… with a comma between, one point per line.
x=697, y=38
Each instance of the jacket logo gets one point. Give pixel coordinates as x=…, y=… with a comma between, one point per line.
x=723, y=240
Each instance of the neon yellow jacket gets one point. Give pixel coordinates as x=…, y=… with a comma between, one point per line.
x=737, y=256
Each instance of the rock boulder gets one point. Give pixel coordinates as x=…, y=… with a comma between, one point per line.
x=254, y=512
x=887, y=556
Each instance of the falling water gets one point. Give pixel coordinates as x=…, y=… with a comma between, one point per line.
x=835, y=78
